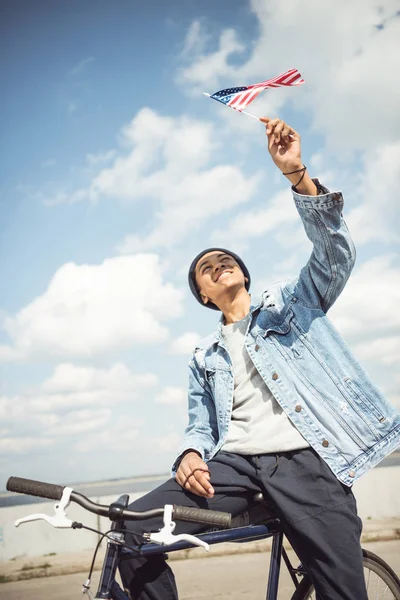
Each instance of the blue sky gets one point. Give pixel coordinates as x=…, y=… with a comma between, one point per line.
x=116, y=170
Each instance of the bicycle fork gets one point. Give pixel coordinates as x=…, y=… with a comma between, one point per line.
x=108, y=588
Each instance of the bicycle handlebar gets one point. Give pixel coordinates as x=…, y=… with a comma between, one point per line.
x=54, y=492
x=35, y=488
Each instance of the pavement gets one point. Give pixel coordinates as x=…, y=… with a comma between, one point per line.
x=234, y=577
x=48, y=565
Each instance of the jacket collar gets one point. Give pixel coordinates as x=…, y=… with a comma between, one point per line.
x=216, y=336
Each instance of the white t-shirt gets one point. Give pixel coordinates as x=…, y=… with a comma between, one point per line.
x=258, y=424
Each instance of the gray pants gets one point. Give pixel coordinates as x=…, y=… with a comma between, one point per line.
x=318, y=515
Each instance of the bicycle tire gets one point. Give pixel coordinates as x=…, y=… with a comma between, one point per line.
x=379, y=577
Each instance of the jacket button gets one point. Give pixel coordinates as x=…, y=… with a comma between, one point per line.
x=256, y=347
x=297, y=408
x=275, y=376
x=325, y=443
x=352, y=473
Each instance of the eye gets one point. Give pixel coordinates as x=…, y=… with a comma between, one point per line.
x=206, y=268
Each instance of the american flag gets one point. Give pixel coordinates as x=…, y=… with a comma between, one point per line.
x=242, y=96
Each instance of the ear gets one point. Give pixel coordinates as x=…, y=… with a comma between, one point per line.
x=246, y=279
x=204, y=298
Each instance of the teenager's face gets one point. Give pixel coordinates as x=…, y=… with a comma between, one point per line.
x=216, y=272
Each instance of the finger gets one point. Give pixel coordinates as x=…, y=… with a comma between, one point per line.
x=185, y=480
x=188, y=473
x=192, y=485
x=271, y=126
x=279, y=127
x=265, y=120
x=194, y=489
x=199, y=482
x=271, y=143
x=185, y=471
x=195, y=472
x=188, y=466
x=286, y=131
x=202, y=477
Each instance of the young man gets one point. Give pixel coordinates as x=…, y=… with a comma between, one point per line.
x=277, y=403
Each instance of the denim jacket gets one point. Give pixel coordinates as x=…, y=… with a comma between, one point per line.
x=302, y=359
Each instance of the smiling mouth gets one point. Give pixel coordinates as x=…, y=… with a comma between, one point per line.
x=223, y=273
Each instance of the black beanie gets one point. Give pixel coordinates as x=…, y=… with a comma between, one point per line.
x=192, y=279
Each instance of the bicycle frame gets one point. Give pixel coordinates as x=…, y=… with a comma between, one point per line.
x=108, y=588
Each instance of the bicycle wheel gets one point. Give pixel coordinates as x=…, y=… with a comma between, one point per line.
x=382, y=582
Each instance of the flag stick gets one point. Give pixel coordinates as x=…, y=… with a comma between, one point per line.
x=241, y=111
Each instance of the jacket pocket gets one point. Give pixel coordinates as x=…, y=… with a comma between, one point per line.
x=286, y=338
x=362, y=400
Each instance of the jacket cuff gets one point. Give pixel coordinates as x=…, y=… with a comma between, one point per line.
x=325, y=198
x=178, y=460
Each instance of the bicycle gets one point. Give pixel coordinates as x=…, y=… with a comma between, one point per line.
x=382, y=582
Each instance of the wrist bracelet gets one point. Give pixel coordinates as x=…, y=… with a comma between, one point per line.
x=301, y=179
x=303, y=168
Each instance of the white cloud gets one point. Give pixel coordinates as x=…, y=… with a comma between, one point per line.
x=168, y=443
x=118, y=378
x=367, y=316
x=167, y=161
x=212, y=192
x=76, y=422
x=123, y=436
x=348, y=65
x=185, y=343
x=102, y=157
x=89, y=310
x=367, y=312
x=247, y=225
x=195, y=40
x=73, y=401
x=187, y=190
x=74, y=388
x=377, y=217
x=171, y=395
x=80, y=67
x=207, y=68
x=23, y=444
x=155, y=151
x=386, y=348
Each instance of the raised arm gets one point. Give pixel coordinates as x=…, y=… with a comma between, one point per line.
x=332, y=259
x=284, y=147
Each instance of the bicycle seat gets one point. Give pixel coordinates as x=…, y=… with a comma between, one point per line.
x=260, y=511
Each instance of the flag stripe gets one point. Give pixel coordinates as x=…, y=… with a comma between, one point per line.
x=240, y=97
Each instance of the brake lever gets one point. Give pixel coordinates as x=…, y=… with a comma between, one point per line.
x=165, y=536
x=59, y=520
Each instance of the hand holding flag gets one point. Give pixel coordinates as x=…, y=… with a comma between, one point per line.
x=283, y=141
x=283, y=145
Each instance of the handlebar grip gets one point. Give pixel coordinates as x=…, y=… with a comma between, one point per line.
x=200, y=515
x=35, y=488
